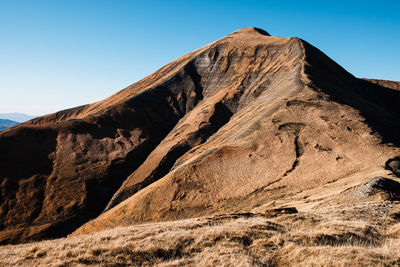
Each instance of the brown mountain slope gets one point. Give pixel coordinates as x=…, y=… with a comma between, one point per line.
x=310, y=124
x=236, y=125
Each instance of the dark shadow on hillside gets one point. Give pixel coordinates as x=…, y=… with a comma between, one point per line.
x=380, y=106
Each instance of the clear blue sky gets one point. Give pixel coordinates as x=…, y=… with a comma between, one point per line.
x=58, y=54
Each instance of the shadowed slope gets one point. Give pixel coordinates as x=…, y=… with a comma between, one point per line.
x=57, y=175
x=379, y=105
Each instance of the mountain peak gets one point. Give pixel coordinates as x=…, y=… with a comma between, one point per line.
x=251, y=30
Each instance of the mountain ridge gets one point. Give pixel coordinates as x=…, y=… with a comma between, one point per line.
x=4, y=124
x=17, y=117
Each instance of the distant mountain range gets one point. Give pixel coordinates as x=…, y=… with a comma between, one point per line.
x=17, y=117
x=4, y=124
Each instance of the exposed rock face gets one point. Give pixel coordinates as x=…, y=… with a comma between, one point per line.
x=380, y=184
x=231, y=126
x=393, y=165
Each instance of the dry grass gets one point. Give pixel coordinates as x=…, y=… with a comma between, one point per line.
x=244, y=239
x=347, y=229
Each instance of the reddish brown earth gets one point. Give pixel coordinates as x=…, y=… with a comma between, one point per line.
x=245, y=123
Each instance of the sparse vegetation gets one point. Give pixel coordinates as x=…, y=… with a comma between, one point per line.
x=240, y=239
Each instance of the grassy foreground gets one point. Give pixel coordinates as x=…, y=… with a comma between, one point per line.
x=277, y=238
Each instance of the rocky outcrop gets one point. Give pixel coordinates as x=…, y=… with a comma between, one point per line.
x=380, y=184
x=393, y=165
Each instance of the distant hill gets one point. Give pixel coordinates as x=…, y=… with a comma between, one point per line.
x=17, y=117
x=4, y=124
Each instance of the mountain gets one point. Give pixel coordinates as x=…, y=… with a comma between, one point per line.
x=249, y=124
x=4, y=124
x=18, y=117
